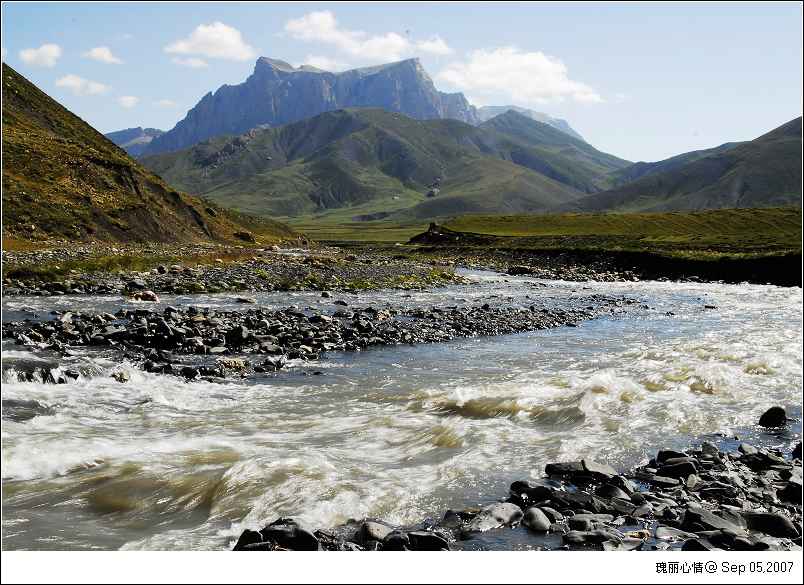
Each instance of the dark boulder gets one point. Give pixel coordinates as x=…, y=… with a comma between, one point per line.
x=536, y=520
x=249, y=537
x=287, y=533
x=774, y=417
x=771, y=524
x=424, y=540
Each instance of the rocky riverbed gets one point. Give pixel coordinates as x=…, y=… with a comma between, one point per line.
x=181, y=423
x=701, y=499
x=198, y=342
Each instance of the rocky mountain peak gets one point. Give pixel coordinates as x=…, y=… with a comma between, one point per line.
x=278, y=93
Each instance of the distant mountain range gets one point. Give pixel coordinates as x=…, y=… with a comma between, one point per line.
x=764, y=172
x=134, y=140
x=281, y=145
x=278, y=93
x=488, y=112
x=375, y=163
x=63, y=179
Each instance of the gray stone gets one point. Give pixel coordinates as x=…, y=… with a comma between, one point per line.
x=495, y=516
x=536, y=520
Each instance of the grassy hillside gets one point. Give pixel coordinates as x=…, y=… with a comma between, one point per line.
x=702, y=233
x=638, y=170
x=557, y=154
x=64, y=180
x=765, y=172
x=369, y=163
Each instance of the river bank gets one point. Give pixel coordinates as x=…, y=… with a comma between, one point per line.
x=576, y=258
x=97, y=270
x=734, y=496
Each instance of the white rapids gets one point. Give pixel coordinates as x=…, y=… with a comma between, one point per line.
x=400, y=433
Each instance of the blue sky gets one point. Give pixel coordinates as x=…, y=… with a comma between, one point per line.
x=642, y=81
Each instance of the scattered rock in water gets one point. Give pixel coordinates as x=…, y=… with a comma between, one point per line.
x=289, y=334
x=121, y=376
x=536, y=520
x=774, y=417
x=495, y=516
x=731, y=507
x=145, y=296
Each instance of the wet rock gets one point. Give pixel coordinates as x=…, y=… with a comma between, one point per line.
x=424, y=540
x=190, y=372
x=288, y=534
x=791, y=492
x=248, y=538
x=626, y=544
x=495, y=516
x=121, y=376
x=569, y=468
x=575, y=537
x=774, y=417
x=623, y=483
x=537, y=520
x=525, y=492
x=396, y=541
x=665, y=454
x=697, y=519
x=608, y=490
x=670, y=533
x=698, y=544
x=681, y=470
x=797, y=451
x=771, y=524
x=599, y=471
x=371, y=530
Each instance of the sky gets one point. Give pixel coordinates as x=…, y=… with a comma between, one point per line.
x=643, y=81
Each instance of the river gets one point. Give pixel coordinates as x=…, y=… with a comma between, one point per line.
x=400, y=433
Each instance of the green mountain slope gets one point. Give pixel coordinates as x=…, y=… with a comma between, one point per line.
x=63, y=179
x=370, y=163
x=764, y=172
x=554, y=153
x=638, y=170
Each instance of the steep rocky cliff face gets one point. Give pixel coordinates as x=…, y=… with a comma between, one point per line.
x=278, y=93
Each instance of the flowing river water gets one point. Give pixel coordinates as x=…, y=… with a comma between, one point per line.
x=400, y=433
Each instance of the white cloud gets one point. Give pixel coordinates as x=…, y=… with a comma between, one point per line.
x=80, y=86
x=525, y=78
x=165, y=103
x=322, y=27
x=128, y=101
x=103, y=55
x=435, y=46
x=216, y=41
x=326, y=63
x=44, y=56
x=192, y=62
